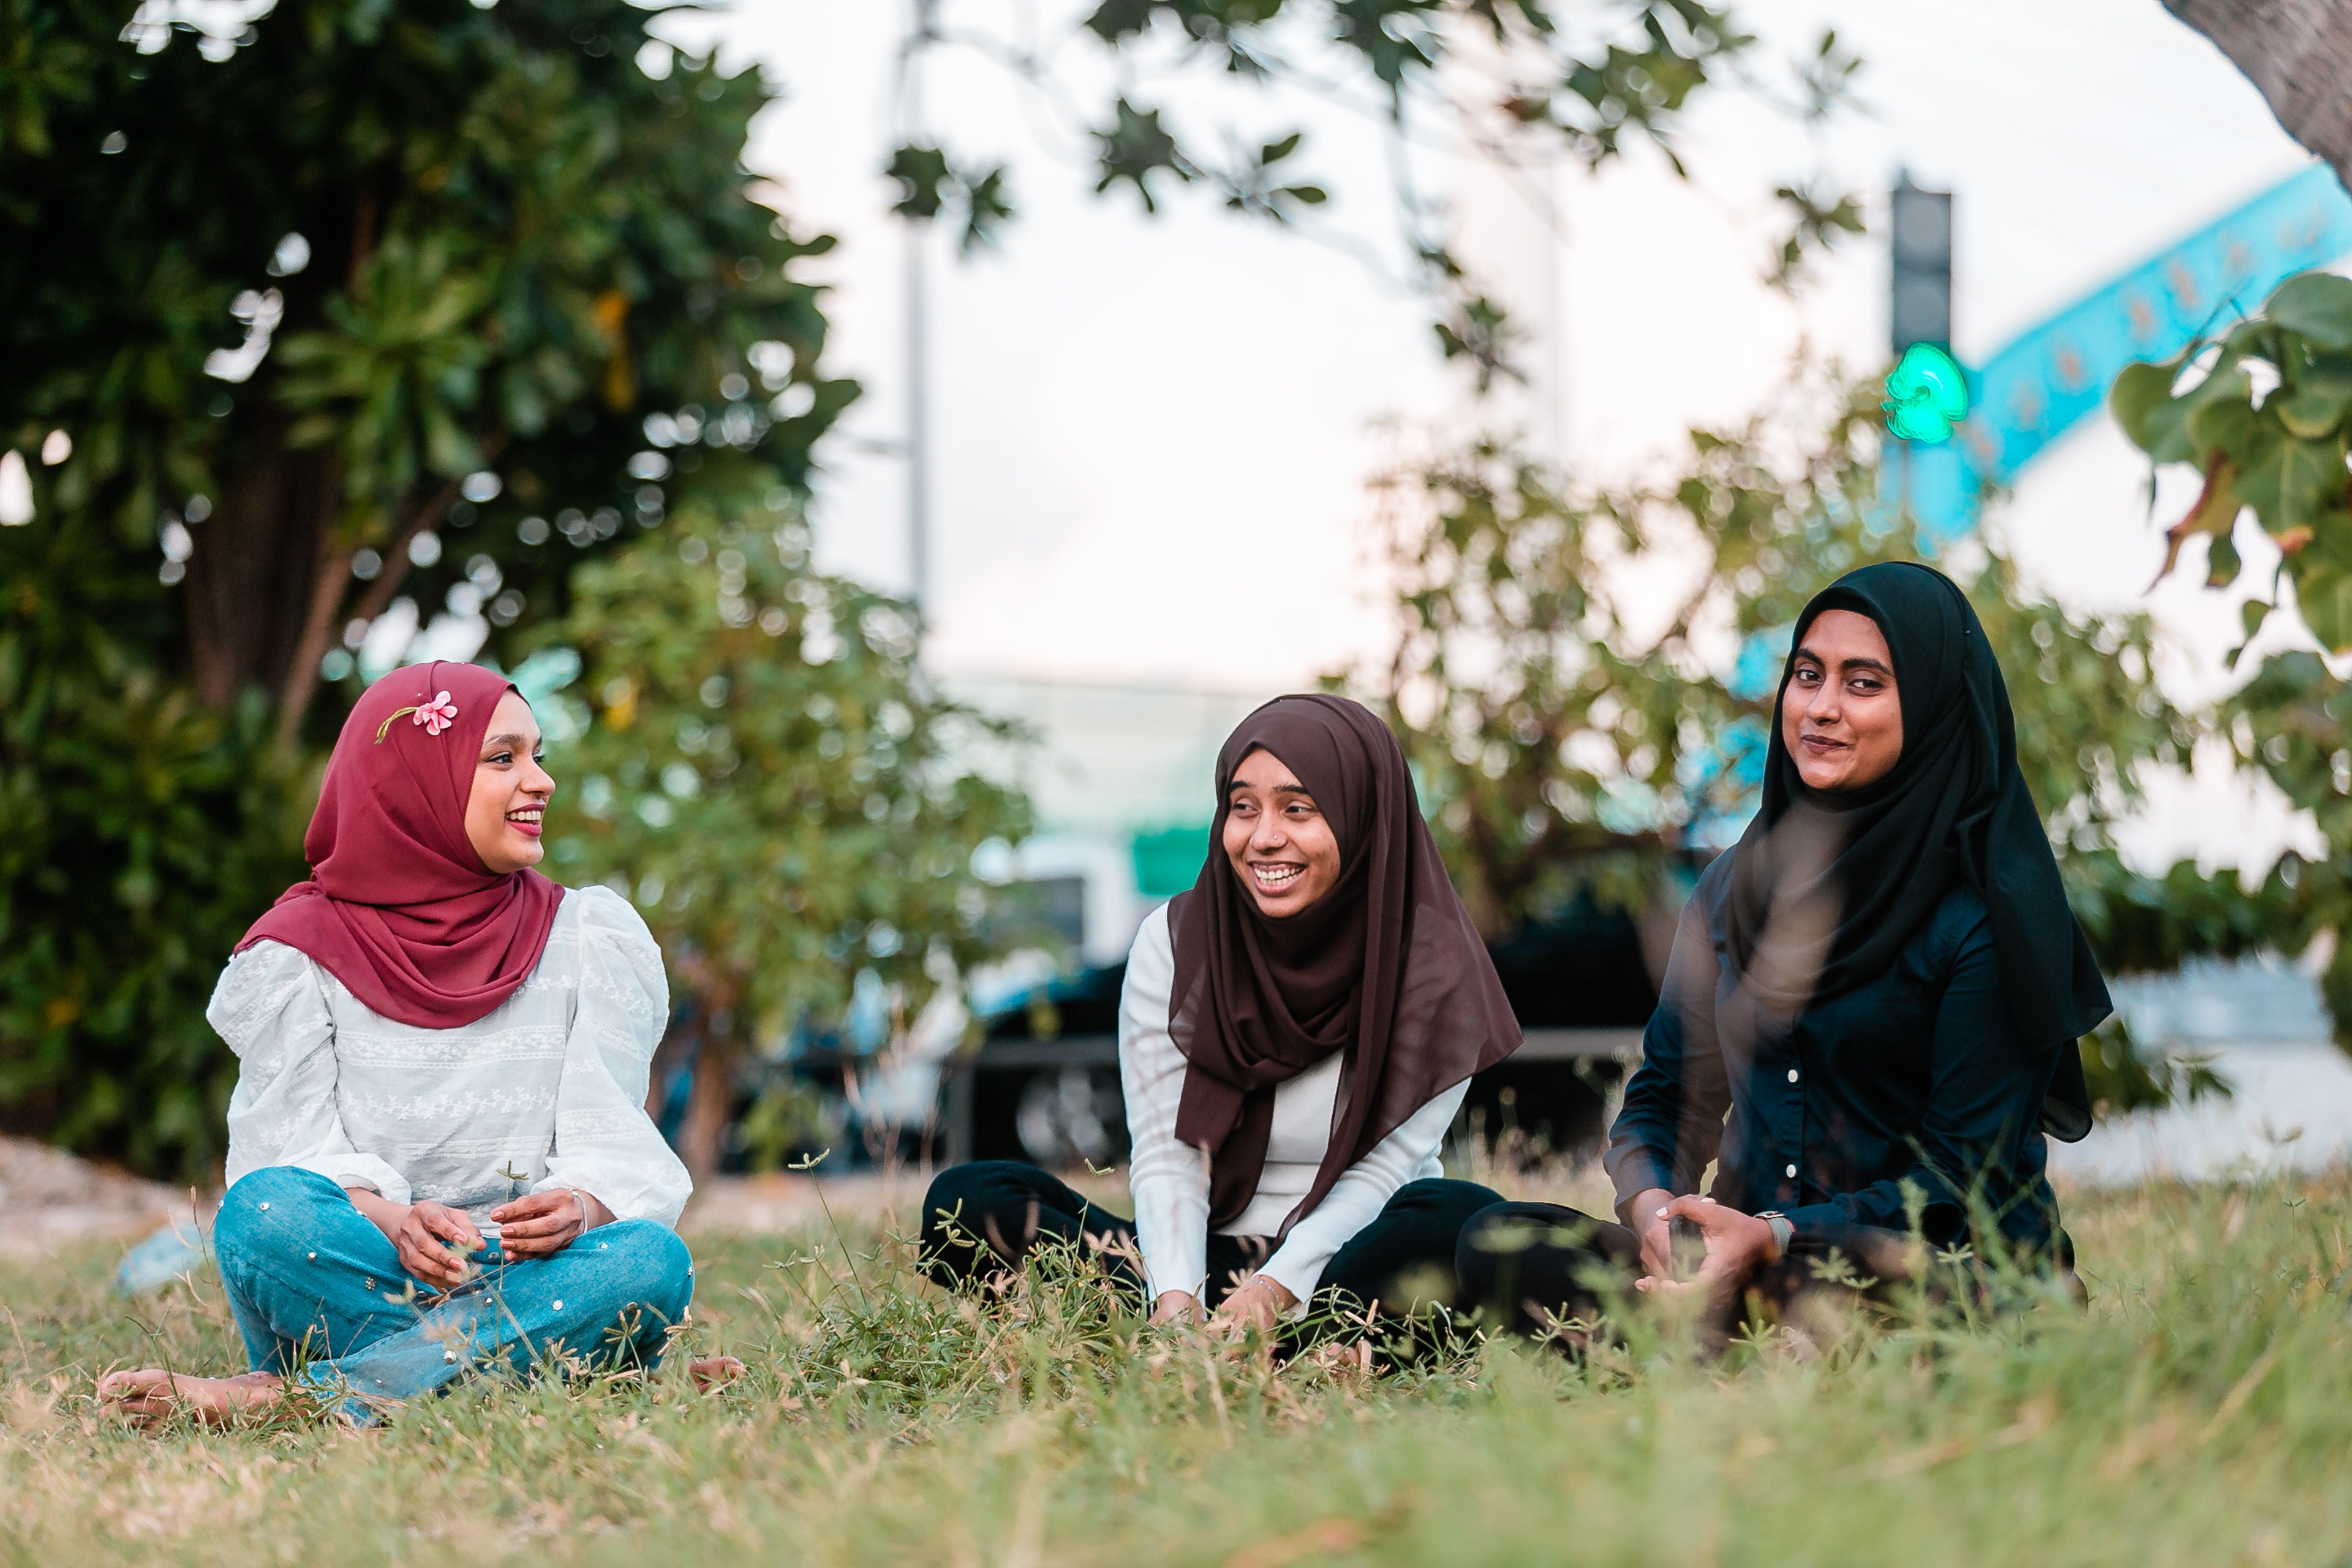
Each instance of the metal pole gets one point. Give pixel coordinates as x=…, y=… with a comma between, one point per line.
x=918, y=423
x=1555, y=247
x=919, y=435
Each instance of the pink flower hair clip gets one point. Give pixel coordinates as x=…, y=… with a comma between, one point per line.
x=435, y=716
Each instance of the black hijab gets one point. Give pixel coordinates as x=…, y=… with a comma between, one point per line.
x=1826, y=888
x=1386, y=967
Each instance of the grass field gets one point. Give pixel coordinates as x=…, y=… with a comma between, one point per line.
x=2198, y=1412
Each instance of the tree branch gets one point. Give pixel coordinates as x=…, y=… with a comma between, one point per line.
x=2299, y=53
x=327, y=596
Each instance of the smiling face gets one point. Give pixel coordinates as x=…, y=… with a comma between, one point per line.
x=1282, y=847
x=1840, y=716
x=510, y=791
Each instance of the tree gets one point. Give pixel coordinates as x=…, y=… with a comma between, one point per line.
x=1569, y=745
x=760, y=766
x=1521, y=81
x=352, y=301
x=2299, y=53
x=290, y=291
x=2263, y=413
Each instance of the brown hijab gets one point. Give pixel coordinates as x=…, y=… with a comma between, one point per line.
x=1386, y=967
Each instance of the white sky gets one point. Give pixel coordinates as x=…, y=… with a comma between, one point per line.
x=1150, y=438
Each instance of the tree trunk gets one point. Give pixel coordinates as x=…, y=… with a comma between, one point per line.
x=423, y=511
x=711, y=1104
x=255, y=569
x=2299, y=53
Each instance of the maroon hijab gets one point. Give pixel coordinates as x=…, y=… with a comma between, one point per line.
x=1385, y=968
x=398, y=906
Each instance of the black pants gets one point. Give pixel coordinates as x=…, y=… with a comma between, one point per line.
x=1530, y=1265
x=988, y=1217
x=1536, y=1266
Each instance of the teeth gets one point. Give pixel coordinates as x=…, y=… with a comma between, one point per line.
x=1276, y=876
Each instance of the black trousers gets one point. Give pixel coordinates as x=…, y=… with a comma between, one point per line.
x=1534, y=1266
x=1531, y=1265
x=988, y=1217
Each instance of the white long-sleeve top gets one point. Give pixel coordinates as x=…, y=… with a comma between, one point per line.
x=550, y=1083
x=1170, y=1180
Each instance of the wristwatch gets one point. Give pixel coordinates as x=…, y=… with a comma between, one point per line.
x=1783, y=1230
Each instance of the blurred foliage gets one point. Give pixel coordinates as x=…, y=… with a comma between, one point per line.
x=1566, y=734
x=288, y=287
x=311, y=305
x=764, y=770
x=2262, y=413
x=144, y=832
x=1569, y=740
x=1521, y=79
x=2293, y=722
x=2123, y=1079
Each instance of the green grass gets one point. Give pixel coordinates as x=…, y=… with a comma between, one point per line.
x=2198, y=1412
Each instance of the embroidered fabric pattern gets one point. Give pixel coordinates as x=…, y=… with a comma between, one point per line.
x=554, y=1080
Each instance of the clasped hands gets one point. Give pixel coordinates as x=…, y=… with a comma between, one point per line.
x=1738, y=1245
x=435, y=1241
x=1257, y=1303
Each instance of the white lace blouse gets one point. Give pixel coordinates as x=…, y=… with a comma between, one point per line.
x=551, y=1084
x=1170, y=1180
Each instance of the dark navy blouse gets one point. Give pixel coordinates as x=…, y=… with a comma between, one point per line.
x=1916, y=1077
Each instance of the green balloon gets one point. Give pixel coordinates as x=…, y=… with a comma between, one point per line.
x=1927, y=395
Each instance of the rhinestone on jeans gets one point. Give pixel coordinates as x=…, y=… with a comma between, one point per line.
x=558, y=1306
x=311, y=1256
x=265, y=1205
x=448, y=1355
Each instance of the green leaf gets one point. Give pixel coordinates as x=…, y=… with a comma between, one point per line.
x=922, y=173
x=2288, y=481
x=2323, y=592
x=1136, y=146
x=2312, y=413
x=2221, y=425
x=2159, y=423
x=2222, y=562
x=2252, y=614
x=2317, y=305
x=2140, y=399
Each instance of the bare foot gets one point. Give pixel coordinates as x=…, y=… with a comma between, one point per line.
x=148, y=1395
x=713, y=1373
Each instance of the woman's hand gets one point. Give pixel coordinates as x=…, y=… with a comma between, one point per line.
x=1738, y=1245
x=1176, y=1307
x=542, y=1225
x=422, y=1233
x=1259, y=1302
x=1647, y=1214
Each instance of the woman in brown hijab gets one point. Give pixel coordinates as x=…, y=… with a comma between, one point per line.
x=1296, y=1033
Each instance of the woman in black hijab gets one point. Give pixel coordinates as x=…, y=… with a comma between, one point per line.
x=1881, y=984
x=1295, y=1034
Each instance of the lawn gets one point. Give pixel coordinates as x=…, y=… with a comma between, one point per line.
x=2198, y=1412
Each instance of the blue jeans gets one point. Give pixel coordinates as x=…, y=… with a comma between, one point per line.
x=319, y=1293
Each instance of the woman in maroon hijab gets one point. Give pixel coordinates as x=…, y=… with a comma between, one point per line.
x=1296, y=1034
x=439, y=1157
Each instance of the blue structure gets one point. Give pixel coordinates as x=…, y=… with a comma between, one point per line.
x=2039, y=386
